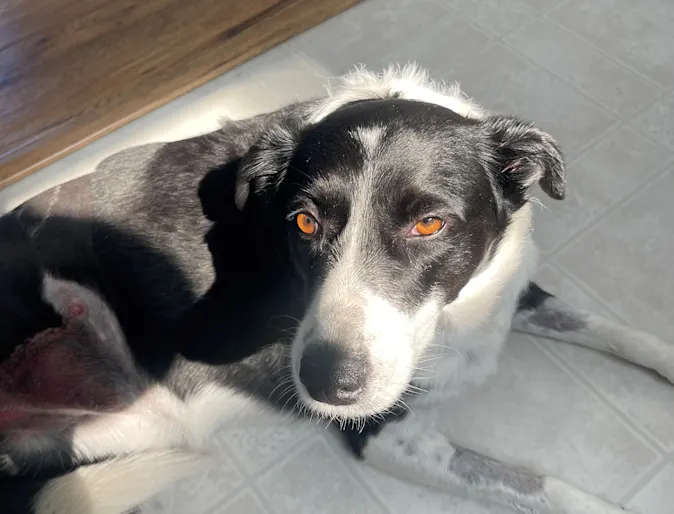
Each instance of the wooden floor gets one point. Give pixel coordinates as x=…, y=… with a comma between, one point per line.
x=73, y=70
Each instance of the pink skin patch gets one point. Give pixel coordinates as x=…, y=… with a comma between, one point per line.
x=56, y=371
x=77, y=309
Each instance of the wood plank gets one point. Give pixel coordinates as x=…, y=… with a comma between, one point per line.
x=72, y=71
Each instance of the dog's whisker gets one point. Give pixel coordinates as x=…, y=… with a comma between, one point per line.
x=286, y=316
x=279, y=371
x=282, y=383
x=421, y=377
x=415, y=389
x=401, y=403
x=295, y=394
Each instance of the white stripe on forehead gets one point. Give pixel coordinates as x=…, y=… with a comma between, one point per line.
x=369, y=138
x=409, y=82
x=346, y=277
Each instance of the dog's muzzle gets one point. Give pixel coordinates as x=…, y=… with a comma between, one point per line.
x=331, y=374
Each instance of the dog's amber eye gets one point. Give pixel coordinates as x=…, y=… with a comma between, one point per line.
x=428, y=226
x=307, y=224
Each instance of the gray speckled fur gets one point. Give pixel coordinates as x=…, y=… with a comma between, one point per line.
x=480, y=470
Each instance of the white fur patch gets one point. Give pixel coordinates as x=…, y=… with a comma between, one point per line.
x=117, y=485
x=159, y=420
x=409, y=82
x=370, y=139
x=395, y=342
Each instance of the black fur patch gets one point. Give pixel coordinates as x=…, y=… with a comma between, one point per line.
x=532, y=297
x=357, y=440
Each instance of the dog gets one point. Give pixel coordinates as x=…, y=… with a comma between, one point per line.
x=349, y=240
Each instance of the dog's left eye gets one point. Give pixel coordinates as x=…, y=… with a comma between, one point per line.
x=307, y=224
x=427, y=226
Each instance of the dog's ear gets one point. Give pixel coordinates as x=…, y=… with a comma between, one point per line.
x=216, y=191
x=265, y=165
x=521, y=155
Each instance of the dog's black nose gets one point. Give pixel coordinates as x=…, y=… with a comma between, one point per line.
x=330, y=376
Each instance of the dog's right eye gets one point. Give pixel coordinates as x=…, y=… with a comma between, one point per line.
x=307, y=224
x=427, y=227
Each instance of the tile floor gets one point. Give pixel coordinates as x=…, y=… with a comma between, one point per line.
x=600, y=77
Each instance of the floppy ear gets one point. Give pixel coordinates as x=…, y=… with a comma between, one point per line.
x=265, y=165
x=522, y=155
x=216, y=190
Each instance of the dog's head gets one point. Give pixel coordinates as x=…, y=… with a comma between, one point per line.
x=394, y=196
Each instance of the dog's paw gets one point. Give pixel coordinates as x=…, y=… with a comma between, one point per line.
x=566, y=499
x=667, y=370
x=665, y=365
x=7, y=466
x=656, y=354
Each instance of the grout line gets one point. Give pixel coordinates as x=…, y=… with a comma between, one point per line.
x=668, y=452
x=658, y=93
x=456, y=62
x=584, y=288
x=501, y=39
x=664, y=98
x=488, y=31
x=588, y=225
x=589, y=292
x=355, y=470
x=626, y=421
x=253, y=475
x=648, y=106
x=547, y=254
x=593, y=295
x=610, y=57
x=642, y=432
x=490, y=44
x=266, y=503
x=233, y=493
x=642, y=482
x=231, y=498
x=351, y=468
x=567, y=366
x=558, y=77
x=557, y=250
x=595, y=141
x=553, y=8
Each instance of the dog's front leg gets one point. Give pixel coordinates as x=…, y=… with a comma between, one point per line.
x=411, y=451
x=543, y=314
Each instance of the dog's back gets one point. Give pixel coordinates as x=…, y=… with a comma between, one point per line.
x=133, y=234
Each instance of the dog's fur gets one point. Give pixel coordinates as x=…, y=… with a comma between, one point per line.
x=366, y=299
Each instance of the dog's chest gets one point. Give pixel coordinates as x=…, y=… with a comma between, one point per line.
x=465, y=353
x=456, y=362
x=200, y=415
x=159, y=419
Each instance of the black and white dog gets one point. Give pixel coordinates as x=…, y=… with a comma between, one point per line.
x=354, y=239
